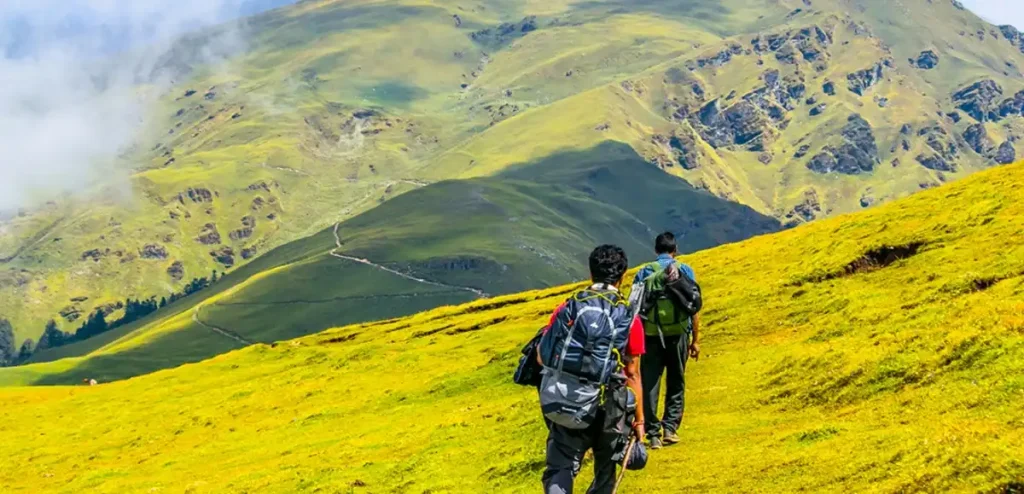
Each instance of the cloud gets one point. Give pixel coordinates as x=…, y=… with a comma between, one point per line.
x=77, y=77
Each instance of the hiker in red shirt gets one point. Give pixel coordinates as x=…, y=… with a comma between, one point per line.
x=590, y=352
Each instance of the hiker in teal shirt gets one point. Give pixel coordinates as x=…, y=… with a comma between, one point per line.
x=667, y=353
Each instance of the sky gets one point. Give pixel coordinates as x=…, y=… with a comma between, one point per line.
x=999, y=11
x=69, y=77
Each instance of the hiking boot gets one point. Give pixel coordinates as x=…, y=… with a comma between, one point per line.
x=655, y=443
x=671, y=438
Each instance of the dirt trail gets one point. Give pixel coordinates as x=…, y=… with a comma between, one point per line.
x=32, y=242
x=221, y=331
x=337, y=253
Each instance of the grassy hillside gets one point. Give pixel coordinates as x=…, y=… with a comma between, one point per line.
x=339, y=105
x=450, y=242
x=881, y=351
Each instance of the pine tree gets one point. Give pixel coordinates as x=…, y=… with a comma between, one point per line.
x=52, y=337
x=27, y=348
x=8, y=348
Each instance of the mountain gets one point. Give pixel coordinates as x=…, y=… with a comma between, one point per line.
x=799, y=110
x=532, y=225
x=881, y=351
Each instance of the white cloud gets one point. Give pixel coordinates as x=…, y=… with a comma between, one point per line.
x=70, y=75
x=999, y=12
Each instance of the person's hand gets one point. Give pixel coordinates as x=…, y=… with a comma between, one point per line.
x=695, y=350
x=638, y=429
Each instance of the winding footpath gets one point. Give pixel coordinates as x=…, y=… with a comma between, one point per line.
x=336, y=252
x=220, y=331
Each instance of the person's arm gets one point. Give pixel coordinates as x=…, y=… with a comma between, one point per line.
x=634, y=383
x=635, y=348
x=695, y=343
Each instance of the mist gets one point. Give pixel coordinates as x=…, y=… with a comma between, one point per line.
x=78, y=76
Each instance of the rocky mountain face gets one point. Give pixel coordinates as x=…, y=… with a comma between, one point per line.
x=800, y=109
x=837, y=98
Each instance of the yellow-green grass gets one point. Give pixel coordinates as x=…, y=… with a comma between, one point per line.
x=892, y=378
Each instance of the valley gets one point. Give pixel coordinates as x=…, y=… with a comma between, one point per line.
x=337, y=109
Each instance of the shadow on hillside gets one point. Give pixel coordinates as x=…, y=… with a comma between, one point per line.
x=613, y=173
x=530, y=226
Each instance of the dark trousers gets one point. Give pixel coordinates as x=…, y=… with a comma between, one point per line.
x=669, y=359
x=565, y=451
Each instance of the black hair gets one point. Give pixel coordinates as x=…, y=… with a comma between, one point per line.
x=665, y=244
x=608, y=264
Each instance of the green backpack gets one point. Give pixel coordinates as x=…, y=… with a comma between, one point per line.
x=659, y=310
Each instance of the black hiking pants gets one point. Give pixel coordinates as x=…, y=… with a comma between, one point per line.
x=669, y=359
x=565, y=451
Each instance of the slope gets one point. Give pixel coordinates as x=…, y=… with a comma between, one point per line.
x=449, y=242
x=798, y=111
x=879, y=352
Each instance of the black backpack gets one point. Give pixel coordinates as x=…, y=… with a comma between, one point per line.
x=673, y=293
x=685, y=293
x=528, y=372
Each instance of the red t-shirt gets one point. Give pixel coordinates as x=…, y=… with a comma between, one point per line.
x=634, y=345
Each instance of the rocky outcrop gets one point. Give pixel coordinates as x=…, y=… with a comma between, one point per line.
x=94, y=255
x=811, y=43
x=721, y=58
x=979, y=100
x=262, y=185
x=977, y=138
x=1006, y=153
x=70, y=313
x=153, y=251
x=829, y=88
x=1015, y=37
x=224, y=255
x=209, y=235
x=927, y=60
x=682, y=147
x=741, y=124
x=506, y=33
x=241, y=233
x=859, y=81
x=249, y=252
x=109, y=308
x=176, y=271
x=944, y=147
x=818, y=110
x=935, y=162
x=807, y=210
x=1012, y=106
x=196, y=195
x=755, y=120
x=858, y=154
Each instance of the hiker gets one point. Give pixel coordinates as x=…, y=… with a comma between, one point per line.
x=590, y=353
x=672, y=336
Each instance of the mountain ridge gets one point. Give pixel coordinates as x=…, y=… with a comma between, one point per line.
x=313, y=126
